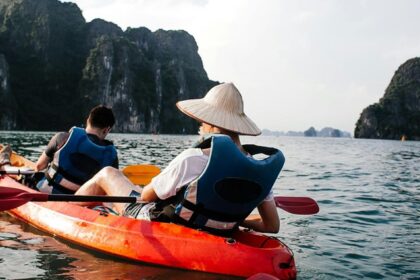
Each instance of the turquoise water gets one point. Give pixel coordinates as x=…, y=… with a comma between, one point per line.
x=368, y=226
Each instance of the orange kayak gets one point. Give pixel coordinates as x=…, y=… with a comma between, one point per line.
x=167, y=244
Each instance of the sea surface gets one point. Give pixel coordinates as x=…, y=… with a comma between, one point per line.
x=368, y=226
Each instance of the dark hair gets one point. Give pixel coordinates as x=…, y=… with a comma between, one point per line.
x=101, y=117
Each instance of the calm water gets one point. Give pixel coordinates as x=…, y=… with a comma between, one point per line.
x=368, y=226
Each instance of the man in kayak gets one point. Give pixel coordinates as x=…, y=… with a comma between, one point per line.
x=73, y=157
x=219, y=185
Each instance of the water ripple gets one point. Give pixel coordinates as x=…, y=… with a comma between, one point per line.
x=368, y=191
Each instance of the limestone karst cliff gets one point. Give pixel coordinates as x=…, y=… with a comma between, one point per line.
x=57, y=66
x=397, y=114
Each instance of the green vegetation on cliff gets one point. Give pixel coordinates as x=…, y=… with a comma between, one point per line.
x=397, y=114
x=57, y=67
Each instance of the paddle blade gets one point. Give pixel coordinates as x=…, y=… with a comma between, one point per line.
x=11, y=197
x=141, y=174
x=297, y=205
x=11, y=203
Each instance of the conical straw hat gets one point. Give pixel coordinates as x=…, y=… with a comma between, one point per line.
x=222, y=107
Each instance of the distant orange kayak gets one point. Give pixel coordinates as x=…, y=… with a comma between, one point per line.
x=167, y=244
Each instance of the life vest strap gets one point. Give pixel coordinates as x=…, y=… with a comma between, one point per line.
x=51, y=176
x=57, y=186
x=66, y=175
x=211, y=226
x=217, y=223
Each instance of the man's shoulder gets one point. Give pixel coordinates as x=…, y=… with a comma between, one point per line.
x=61, y=137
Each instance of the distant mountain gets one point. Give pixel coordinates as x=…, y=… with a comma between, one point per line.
x=397, y=114
x=268, y=132
x=55, y=66
x=311, y=132
x=332, y=132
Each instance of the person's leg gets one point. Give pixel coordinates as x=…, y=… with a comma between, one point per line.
x=109, y=181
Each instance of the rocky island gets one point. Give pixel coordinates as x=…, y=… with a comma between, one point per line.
x=397, y=114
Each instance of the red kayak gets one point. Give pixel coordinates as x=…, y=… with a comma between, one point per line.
x=244, y=254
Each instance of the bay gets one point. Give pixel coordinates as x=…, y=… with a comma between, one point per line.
x=368, y=226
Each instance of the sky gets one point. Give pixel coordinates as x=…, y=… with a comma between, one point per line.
x=296, y=63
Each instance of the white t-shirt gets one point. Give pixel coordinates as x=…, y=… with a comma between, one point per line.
x=181, y=171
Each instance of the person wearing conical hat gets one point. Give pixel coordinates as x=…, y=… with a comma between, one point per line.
x=220, y=112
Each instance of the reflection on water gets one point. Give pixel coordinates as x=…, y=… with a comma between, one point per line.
x=368, y=226
x=27, y=253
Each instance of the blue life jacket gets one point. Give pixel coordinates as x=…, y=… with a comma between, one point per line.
x=77, y=161
x=230, y=188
